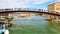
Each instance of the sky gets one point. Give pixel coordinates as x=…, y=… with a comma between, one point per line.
x=42, y=4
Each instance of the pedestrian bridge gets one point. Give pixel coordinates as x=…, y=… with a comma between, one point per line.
x=48, y=14
x=33, y=11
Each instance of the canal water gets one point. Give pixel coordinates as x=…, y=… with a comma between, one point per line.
x=34, y=25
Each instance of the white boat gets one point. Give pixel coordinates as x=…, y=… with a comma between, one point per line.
x=5, y=31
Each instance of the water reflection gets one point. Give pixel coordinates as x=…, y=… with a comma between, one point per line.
x=34, y=25
x=53, y=27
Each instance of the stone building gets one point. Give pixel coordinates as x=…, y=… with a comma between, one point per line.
x=54, y=7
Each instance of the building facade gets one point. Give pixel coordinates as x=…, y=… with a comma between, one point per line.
x=54, y=7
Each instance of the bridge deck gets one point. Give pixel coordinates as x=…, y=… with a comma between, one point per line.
x=31, y=11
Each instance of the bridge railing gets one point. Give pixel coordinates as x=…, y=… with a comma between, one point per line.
x=29, y=9
x=54, y=12
x=48, y=11
x=41, y=10
x=18, y=9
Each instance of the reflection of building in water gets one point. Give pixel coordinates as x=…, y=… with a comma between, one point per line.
x=54, y=7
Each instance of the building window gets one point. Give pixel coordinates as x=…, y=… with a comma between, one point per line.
x=57, y=8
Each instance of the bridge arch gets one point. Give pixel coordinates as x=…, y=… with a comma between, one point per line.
x=9, y=13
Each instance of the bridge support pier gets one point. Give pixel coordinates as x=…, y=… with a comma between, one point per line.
x=49, y=17
x=57, y=18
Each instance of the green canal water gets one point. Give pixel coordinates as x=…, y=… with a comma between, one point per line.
x=34, y=25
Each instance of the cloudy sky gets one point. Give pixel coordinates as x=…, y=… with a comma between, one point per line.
x=26, y=3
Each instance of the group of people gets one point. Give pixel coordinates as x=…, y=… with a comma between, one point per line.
x=5, y=25
x=2, y=25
